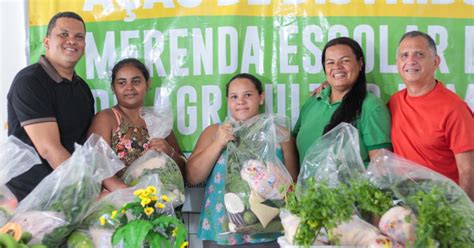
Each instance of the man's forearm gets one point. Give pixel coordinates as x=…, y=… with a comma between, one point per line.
x=57, y=156
x=466, y=182
x=465, y=163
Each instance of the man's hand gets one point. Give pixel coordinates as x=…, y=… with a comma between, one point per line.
x=320, y=88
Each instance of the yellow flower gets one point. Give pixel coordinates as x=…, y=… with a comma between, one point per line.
x=151, y=189
x=173, y=233
x=145, y=201
x=148, y=211
x=165, y=198
x=160, y=205
x=102, y=220
x=138, y=192
x=154, y=198
x=147, y=192
x=184, y=244
x=114, y=214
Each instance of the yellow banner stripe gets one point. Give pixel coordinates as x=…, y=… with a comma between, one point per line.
x=40, y=11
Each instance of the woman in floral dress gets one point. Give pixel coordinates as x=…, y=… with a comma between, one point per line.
x=122, y=127
x=244, y=96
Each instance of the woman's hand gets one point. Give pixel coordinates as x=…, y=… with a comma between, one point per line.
x=320, y=88
x=224, y=134
x=161, y=145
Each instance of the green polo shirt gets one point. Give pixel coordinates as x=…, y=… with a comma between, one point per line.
x=373, y=124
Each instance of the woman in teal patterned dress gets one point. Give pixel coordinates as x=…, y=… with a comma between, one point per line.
x=206, y=163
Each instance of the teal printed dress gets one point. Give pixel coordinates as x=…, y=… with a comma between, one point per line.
x=213, y=219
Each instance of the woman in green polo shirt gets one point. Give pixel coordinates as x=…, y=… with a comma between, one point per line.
x=345, y=100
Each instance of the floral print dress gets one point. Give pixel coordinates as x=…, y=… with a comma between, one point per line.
x=128, y=142
x=213, y=219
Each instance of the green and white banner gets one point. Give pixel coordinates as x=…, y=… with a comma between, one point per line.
x=193, y=47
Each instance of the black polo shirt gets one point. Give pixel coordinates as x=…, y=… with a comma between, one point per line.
x=39, y=94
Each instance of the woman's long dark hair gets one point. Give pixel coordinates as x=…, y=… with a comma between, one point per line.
x=351, y=105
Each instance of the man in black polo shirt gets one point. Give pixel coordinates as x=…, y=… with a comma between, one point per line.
x=49, y=105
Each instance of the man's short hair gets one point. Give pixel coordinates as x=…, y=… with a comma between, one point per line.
x=413, y=34
x=67, y=14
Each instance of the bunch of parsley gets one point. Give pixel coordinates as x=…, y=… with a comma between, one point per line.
x=442, y=217
x=319, y=207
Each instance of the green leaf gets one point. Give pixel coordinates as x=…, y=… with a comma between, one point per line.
x=171, y=223
x=133, y=233
x=156, y=240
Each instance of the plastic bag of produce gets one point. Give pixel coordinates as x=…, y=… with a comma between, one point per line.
x=357, y=232
x=324, y=197
x=157, y=163
x=291, y=223
x=159, y=122
x=399, y=223
x=99, y=219
x=255, y=174
x=16, y=158
x=80, y=238
x=57, y=205
x=444, y=213
x=100, y=211
x=333, y=158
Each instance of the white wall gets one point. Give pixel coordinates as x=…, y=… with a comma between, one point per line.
x=12, y=51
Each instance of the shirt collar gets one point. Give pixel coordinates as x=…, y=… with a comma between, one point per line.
x=325, y=96
x=51, y=71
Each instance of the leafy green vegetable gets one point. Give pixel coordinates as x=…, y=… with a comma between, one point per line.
x=170, y=176
x=442, y=219
x=168, y=172
x=370, y=199
x=73, y=202
x=319, y=206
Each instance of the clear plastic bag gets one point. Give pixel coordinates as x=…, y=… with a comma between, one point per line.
x=333, y=158
x=331, y=164
x=151, y=163
x=159, y=121
x=101, y=233
x=357, y=232
x=445, y=214
x=399, y=223
x=58, y=204
x=255, y=174
x=16, y=158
